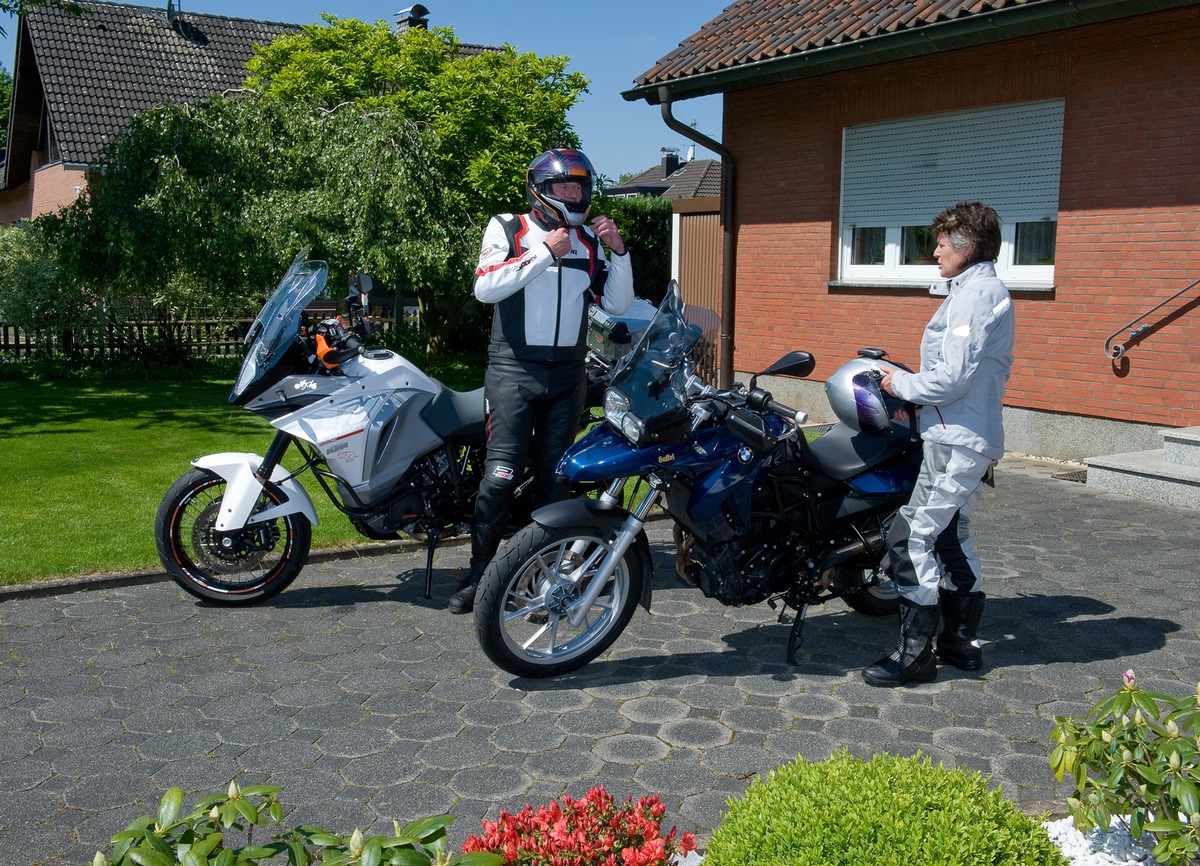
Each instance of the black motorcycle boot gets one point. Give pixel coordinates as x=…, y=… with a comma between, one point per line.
x=912, y=660
x=956, y=645
x=485, y=540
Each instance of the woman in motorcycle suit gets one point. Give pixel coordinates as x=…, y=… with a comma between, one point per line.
x=966, y=356
x=541, y=270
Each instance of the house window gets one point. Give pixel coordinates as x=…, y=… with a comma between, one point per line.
x=897, y=176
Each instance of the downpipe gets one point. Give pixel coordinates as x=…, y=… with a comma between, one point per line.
x=243, y=487
x=870, y=545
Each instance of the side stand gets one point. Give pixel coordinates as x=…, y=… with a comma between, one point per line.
x=796, y=636
x=433, y=537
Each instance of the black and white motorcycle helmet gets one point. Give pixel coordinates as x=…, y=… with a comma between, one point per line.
x=556, y=166
x=856, y=398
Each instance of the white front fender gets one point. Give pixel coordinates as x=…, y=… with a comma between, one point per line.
x=242, y=490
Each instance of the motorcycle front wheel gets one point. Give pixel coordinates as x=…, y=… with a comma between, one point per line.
x=244, y=566
x=533, y=585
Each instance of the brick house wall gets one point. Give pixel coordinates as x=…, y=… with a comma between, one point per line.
x=1129, y=213
x=50, y=187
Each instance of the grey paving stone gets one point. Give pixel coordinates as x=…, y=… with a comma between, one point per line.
x=368, y=703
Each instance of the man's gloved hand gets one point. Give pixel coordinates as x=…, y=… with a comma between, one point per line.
x=334, y=343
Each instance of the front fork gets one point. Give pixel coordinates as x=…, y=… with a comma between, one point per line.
x=631, y=527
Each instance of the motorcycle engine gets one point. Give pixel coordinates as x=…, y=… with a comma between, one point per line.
x=424, y=494
x=747, y=570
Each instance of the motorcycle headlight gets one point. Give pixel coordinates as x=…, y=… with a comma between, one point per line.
x=616, y=411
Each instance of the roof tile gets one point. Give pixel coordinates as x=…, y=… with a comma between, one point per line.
x=100, y=67
x=750, y=31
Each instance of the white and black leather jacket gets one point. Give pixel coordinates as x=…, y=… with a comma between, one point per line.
x=541, y=303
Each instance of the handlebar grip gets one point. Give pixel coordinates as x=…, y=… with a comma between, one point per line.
x=787, y=412
x=761, y=400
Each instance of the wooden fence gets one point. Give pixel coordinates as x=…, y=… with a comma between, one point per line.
x=202, y=336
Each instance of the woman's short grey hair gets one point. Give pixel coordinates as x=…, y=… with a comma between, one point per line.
x=970, y=223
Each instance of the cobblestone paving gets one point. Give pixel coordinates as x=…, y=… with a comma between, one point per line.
x=368, y=703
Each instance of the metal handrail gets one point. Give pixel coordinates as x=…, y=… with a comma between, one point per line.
x=1115, y=351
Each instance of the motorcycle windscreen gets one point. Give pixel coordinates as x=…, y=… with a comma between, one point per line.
x=273, y=337
x=652, y=377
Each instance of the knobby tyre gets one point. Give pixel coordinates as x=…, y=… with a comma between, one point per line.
x=532, y=586
x=244, y=566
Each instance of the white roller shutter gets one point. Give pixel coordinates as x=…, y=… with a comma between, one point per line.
x=904, y=172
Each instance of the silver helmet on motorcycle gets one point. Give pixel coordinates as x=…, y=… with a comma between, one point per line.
x=560, y=166
x=856, y=398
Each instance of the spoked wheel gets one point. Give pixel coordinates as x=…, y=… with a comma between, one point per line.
x=877, y=596
x=244, y=566
x=533, y=587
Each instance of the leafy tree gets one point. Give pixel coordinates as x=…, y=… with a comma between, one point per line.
x=492, y=111
x=30, y=283
x=645, y=224
x=224, y=193
x=5, y=103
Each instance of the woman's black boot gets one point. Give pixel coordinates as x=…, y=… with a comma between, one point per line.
x=912, y=661
x=956, y=645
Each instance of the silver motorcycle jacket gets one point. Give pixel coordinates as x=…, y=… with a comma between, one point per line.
x=966, y=358
x=541, y=302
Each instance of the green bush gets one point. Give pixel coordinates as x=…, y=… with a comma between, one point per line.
x=220, y=831
x=889, y=811
x=645, y=226
x=1136, y=761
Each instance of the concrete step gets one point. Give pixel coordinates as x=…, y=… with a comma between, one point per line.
x=1181, y=445
x=1147, y=475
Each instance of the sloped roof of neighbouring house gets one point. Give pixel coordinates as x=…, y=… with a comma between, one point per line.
x=94, y=70
x=756, y=42
x=102, y=66
x=697, y=178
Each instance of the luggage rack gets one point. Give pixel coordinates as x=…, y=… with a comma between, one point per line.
x=1115, y=351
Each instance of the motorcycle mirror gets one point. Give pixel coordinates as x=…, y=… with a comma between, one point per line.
x=795, y=364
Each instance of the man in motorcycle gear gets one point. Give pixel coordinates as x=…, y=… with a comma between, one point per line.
x=540, y=270
x=966, y=357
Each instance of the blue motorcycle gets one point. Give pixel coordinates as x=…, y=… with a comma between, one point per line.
x=761, y=512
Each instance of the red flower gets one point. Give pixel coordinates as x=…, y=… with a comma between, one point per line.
x=592, y=831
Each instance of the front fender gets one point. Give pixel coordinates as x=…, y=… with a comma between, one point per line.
x=242, y=490
x=603, y=516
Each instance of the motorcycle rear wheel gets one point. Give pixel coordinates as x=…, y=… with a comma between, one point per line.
x=525, y=597
x=878, y=596
x=241, y=567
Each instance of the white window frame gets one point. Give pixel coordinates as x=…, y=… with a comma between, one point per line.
x=1008, y=156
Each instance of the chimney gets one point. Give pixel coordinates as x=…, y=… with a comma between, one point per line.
x=670, y=160
x=412, y=18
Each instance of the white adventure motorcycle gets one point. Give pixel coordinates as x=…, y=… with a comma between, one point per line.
x=395, y=450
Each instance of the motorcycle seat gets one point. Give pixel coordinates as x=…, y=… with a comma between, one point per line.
x=843, y=453
x=456, y=414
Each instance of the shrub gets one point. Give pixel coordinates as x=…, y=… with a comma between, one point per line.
x=220, y=831
x=588, y=832
x=889, y=811
x=645, y=224
x=1141, y=768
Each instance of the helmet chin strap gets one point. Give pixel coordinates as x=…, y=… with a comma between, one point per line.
x=545, y=222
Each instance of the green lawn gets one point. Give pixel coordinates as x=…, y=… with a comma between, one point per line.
x=86, y=465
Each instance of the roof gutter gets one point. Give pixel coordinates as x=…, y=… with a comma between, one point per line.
x=729, y=245
x=1000, y=24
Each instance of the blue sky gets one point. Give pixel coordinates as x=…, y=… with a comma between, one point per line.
x=611, y=43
